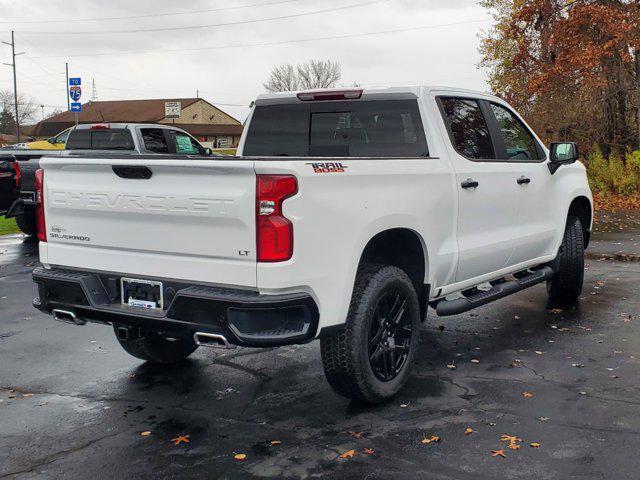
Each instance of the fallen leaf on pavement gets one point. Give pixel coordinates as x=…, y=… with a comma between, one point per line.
x=431, y=439
x=28, y=395
x=527, y=394
x=555, y=310
x=405, y=405
x=468, y=431
x=180, y=439
x=475, y=360
x=535, y=445
x=498, y=453
x=451, y=366
x=368, y=451
x=514, y=446
x=239, y=456
x=510, y=438
x=275, y=442
x=145, y=434
x=348, y=454
x=577, y=365
x=539, y=352
x=356, y=434
x=543, y=419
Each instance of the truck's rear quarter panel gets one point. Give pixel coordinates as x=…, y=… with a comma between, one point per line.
x=335, y=215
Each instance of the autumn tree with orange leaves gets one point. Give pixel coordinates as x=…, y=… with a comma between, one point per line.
x=572, y=67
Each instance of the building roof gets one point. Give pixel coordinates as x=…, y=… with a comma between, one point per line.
x=129, y=111
x=126, y=111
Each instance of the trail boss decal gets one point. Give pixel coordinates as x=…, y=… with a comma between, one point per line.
x=328, y=167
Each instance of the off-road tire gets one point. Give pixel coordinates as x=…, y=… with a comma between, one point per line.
x=27, y=223
x=154, y=348
x=566, y=284
x=345, y=353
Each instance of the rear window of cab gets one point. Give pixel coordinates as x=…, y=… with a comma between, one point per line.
x=364, y=128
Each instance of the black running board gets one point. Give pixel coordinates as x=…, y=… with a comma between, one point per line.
x=464, y=304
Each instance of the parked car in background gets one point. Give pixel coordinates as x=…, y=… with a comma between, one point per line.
x=54, y=143
x=347, y=215
x=18, y=166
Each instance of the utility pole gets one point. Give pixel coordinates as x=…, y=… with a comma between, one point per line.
x=94, y=90
x=66, y=88
x=15, y=81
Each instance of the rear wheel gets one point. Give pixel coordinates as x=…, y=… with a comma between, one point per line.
x=370, y=359
x=27, y=223
x=566, y=284
x=155, y=348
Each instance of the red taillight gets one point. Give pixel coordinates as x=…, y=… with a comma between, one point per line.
x=17, y=175
x=274, y=232
x=40, y=223
x=100, y=126
x=330, y=95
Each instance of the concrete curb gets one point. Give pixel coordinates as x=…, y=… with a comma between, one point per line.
x=617, y=257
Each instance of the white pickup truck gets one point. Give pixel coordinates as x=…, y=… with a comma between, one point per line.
x=346, y=215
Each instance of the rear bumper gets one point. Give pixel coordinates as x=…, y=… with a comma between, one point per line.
x=244, y=317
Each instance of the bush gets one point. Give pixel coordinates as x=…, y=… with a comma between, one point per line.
x=615, y=174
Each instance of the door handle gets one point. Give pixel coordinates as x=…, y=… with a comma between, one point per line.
x=132, y=171
x=523, y=180
x=469, y=183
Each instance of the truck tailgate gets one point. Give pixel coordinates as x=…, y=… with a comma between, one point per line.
x=190, y=220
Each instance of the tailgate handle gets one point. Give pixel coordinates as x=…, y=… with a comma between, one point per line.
x=132, y=171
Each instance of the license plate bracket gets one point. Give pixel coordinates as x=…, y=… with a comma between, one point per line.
x=141, y=293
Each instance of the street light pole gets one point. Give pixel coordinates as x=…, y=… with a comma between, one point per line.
x=66, y=66
x=15, y=81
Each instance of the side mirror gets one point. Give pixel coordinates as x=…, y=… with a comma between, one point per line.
x=208, y=152
x=51, y=140
x=562, y=153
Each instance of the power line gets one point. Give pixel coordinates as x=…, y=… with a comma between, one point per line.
x=150, y=15
x=268, y=44
x=197, y=27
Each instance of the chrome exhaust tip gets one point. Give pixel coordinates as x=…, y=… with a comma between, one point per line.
x=67, y=317
x=214, y=340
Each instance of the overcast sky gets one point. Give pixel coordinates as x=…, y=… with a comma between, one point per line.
x=96, y=38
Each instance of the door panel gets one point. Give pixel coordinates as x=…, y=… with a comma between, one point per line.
x=534, y=223
x=487, y=212
x=536, y=218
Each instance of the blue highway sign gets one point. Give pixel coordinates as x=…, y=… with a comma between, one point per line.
x=76, y=107
x=75, y=81
x=75, y=92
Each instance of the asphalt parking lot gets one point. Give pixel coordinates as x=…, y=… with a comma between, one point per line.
x=74, y=405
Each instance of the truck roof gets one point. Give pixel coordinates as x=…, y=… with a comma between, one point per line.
x=379, y=93
x=84, y=126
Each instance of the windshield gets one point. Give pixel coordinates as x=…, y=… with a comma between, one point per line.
x=374, y=128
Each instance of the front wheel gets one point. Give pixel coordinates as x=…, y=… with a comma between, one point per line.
x=369, y=360
x=566, y=284
x=155, y=348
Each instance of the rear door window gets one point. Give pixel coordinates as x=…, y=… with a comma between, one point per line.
x=468, y=128
x=154, y=140
x=370, y=128
x=518, y=140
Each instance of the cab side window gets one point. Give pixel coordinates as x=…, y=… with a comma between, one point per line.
x=518, y=140
x=468, y=128
x=185, y=144
x=154, y=140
